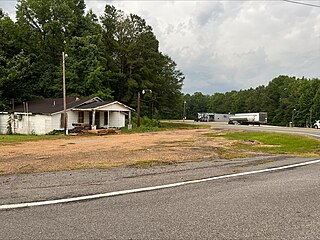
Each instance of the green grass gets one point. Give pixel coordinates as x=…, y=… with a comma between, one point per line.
x=164, y=126
x=276, y=143
x=17, y=138
x=171, y=125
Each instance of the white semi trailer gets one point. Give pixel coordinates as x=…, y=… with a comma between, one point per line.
x=249, y=118
x=212, y=117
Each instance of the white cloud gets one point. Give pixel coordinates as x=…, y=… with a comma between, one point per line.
x=226, y=45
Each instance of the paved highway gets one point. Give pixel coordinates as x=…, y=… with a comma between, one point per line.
x=295, y=130
x=273, y=205
x=282, y=204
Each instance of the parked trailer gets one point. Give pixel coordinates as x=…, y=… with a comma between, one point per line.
x=205, y=117
x=212, y=117
x=249, y=118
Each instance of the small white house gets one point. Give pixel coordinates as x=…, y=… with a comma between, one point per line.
x=45, y=115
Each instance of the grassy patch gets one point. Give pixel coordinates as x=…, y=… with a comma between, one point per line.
x=214, y=134
x=164, y=126
x=17, y=138
x=172, y=125
x=276, y=143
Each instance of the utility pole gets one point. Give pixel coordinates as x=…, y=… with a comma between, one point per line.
x=64, y=94
x=138, y=120
x=293, y=117
x=139, y=103
x=184, y=110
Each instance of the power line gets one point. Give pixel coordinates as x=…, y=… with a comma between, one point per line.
x=302, y=3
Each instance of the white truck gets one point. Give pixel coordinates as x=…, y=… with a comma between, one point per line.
x=249, y=118
x=317, y=124
x=212, y=117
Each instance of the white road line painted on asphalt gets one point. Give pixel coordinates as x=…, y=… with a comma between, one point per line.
x=146, y=189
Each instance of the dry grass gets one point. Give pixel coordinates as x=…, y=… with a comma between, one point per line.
x=109, y=151
x=141, y=150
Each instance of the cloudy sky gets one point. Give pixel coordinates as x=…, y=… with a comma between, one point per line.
x=229, y=45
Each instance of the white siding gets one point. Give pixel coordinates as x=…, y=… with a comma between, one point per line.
x=30, y=124
x=117, y=119
x=114, y=107
x=42, y=124
x=56, y=120
x=72, y=118
x=3, y=123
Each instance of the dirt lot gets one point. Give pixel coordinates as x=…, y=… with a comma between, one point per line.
x=112, y=150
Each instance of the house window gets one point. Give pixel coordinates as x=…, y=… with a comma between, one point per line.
x=80, y=117
x=106, y=118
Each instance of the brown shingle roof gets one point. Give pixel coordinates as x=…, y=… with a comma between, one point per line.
x=51, y=105
x=54, y=105
x=92, y=105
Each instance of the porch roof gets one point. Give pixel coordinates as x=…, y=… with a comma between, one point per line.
x=100, y=105
x=90, y=106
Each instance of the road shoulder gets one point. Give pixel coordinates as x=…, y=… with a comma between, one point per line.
x=19, y=188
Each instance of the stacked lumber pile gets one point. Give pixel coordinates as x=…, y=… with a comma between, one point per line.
x=103, y=131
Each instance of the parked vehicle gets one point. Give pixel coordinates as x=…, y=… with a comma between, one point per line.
x=317, y=124
x=249, y=118
x=212, y=117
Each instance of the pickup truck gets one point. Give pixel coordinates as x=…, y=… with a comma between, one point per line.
x=317, y=124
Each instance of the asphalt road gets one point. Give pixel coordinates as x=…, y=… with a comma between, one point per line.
x=294, y=130
x=277, y=205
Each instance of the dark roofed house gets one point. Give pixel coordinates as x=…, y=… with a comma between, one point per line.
x=45, y=115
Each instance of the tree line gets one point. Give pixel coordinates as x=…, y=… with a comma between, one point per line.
x=112, y=56
x=285, y=99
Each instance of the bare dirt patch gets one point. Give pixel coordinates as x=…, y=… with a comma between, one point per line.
x=111, y=150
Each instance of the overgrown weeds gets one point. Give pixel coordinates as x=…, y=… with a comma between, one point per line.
x=276, y=143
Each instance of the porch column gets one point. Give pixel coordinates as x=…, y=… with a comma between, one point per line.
x=129, y=121
x=93, y=126
x=108, y=119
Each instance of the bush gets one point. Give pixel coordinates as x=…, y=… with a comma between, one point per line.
x=56, y=132
x=147, y=122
